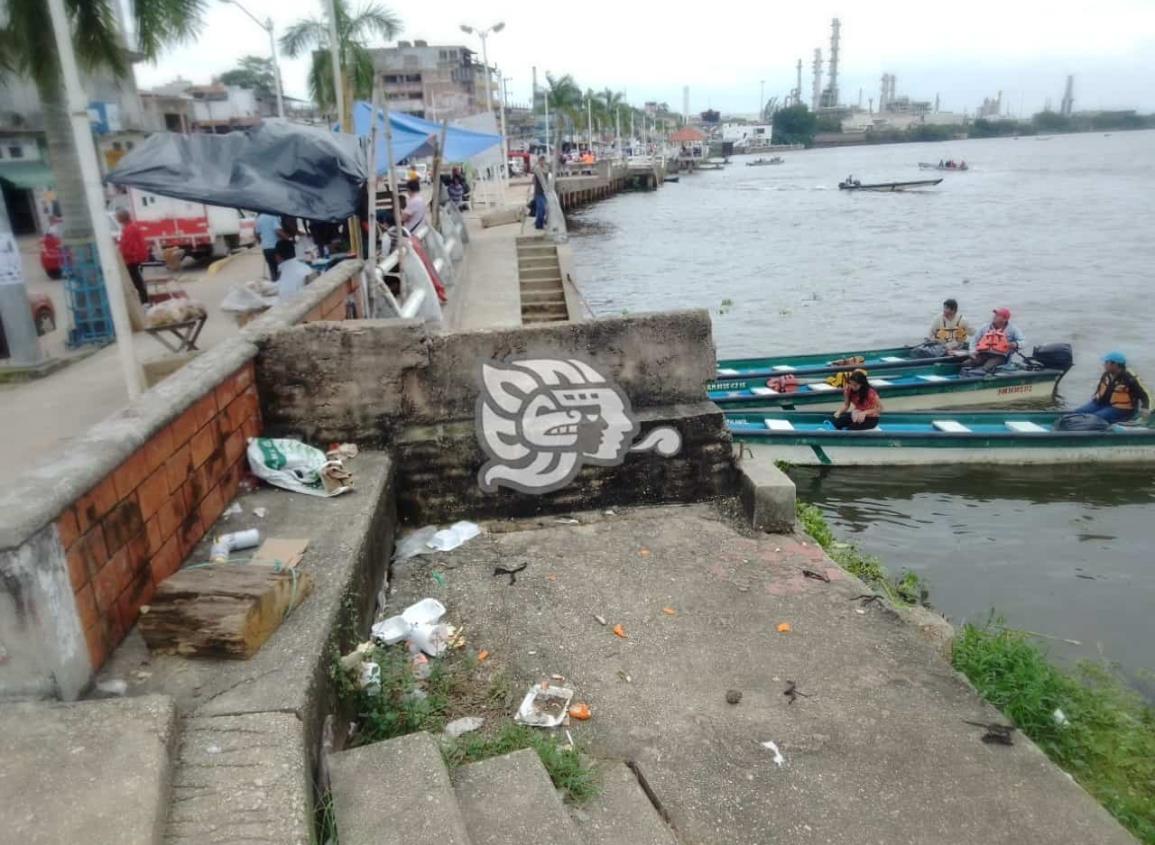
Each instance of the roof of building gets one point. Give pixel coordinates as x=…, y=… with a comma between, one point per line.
x=687, y=134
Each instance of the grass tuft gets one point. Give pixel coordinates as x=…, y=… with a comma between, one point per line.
x=1108, y=742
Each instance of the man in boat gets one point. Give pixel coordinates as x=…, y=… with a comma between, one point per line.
x=949, y=329
x=861, y=406
x=1119, y=396
x=995, y=342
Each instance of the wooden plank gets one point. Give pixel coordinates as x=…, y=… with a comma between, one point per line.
x=224, y=610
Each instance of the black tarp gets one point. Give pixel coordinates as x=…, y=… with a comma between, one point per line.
x=278, y=167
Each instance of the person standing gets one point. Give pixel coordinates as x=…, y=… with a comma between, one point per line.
x=134, y=251
x=415, y=209
x=861, y=406
x=949, y=328
x=292, y=272
x=995, y=342
x=1119, y=396
x=540, y=183
x=269, y=232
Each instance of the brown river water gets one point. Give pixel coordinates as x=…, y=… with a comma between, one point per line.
x=1057, y=230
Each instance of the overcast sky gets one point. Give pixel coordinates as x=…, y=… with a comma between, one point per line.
x=960, y=51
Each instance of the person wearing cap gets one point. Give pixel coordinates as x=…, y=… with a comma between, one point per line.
x=995, y=342
x=950, y=329
x=1119, y=396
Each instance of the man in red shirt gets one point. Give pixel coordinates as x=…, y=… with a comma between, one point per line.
x=134, y=250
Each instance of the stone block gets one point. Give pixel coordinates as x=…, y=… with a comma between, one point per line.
x=767, y=495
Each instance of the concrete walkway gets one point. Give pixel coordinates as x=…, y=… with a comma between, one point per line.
x=489, y=295
x=40, y=416
x=876, y=746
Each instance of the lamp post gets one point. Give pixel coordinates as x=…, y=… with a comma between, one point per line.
x=761, y=98
x=267, y=26
x=484, y=34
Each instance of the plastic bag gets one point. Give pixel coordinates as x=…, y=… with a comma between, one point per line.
x=241, y=300
x=295, y=466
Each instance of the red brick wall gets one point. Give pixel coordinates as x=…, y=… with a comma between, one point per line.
x=332, y=307
x=135, y=528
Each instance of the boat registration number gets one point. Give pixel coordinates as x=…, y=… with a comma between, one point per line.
x=1018, y=388
x=727, y=385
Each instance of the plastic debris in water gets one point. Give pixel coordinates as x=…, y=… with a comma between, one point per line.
x=778, y=758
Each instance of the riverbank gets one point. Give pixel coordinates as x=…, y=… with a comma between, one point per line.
x=1088, y=721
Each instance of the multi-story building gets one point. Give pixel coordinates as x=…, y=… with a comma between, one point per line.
x=435, y=81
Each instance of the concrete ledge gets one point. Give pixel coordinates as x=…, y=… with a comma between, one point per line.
x=767, y=495
x=97, y=771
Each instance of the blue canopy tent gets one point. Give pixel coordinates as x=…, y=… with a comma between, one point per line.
x=413, y=136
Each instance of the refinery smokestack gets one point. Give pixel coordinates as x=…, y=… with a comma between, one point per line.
x=832, y=98
x=686, y=105
x=798, y=85
x=1068, y=98
x=882, y=92
x=817, y=93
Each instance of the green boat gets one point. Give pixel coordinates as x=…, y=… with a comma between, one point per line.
x=937, y=437
x=912, y=389
x=893, y=357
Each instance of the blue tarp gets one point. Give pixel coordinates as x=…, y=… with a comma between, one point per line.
x=413, y=136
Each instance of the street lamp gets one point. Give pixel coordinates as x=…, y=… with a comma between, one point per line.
x=484, y=34
x=267, y=26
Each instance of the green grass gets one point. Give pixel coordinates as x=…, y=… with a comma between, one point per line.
x=1108, y=744
x=568, y=769
x=456, y=687
x=908, y=589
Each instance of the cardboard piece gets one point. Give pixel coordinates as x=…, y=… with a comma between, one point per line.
x=286, y=552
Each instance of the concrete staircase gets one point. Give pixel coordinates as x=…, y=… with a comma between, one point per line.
x=398, y=792
x=539, y=278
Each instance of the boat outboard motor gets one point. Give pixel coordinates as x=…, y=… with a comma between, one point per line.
x=1054, y=356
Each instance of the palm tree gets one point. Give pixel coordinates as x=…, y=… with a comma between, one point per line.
x=353, y=31
x=565, y=98
x=610, y=101
x=28, y=49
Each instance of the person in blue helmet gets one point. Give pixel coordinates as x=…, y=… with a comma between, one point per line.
x=1119, y=396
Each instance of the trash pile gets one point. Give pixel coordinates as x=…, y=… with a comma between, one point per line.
x=173, y=311
x=299, y=467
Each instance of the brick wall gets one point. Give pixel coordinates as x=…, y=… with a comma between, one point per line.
x=136, y=526
x=334, y=305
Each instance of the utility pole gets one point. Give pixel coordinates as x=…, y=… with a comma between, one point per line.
x=94, y=195
x=15, y=315
x=761, y=98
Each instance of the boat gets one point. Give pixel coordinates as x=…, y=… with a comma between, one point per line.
x=762, y=162
x=1006, y=438
x=917, y=388
x=671, y=178
x=961, y=167
x=887, y=186
x=824, y=363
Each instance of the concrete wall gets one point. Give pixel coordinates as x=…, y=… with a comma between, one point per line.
x=86, y=537
x=395, y=385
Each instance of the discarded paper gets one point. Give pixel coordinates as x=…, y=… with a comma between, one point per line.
x=778, y=758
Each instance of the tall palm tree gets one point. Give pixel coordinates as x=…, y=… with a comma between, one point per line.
x=610, y=102
x=565, y=98
x=28, y=49
x=353, y=33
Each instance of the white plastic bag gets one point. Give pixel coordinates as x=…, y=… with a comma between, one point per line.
x=417, y=624
x=450, y=538
x=292, y=465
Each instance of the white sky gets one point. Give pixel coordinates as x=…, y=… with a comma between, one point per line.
x=961, y=51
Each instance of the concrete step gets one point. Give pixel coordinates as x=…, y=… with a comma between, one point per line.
x=510, y=800
x=540, y=275
x=395, y=792
x=536, y=250
x=621, y=813
x=537, y=263
x=541, y=284
x=93, y=771
x=545, y=297
x=538, y=321
x=544, y=308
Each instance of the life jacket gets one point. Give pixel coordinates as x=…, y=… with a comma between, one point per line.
x=1116, y=392
x=783, y=384
x=946, y=334
x=995, y=340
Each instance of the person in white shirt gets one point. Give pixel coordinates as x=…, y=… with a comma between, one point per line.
x=293, y=273
x=415, y=209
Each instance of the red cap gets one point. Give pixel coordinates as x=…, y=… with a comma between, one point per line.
x=1005, y=313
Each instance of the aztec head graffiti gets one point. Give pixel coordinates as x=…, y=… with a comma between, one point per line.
x=541, y=420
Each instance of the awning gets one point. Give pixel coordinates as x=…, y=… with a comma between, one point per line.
x=413, y=136
x=278, y=167
x=28, y=175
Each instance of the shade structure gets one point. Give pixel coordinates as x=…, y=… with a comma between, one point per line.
x=414, y=136
x=276, y=167
x=687, y=135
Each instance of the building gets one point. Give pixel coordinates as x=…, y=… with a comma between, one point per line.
x=747, y=137
x=181, y=106
x=435, y=81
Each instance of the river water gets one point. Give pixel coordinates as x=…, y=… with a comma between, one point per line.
x=1057, y=230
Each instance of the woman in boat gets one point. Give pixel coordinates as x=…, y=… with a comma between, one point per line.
x=861, y=406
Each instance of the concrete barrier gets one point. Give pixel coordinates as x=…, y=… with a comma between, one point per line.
x=767, y=495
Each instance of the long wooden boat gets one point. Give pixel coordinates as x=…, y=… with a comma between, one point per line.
x=937, y=386
x=763, y=162
x=937, y=438
x=888, y=186
x=957, y=168
x=824, y=363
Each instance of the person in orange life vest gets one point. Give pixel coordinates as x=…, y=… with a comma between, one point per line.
x=134, y=250
x=861, y=406
x=995, y=342
x=1119, y=395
